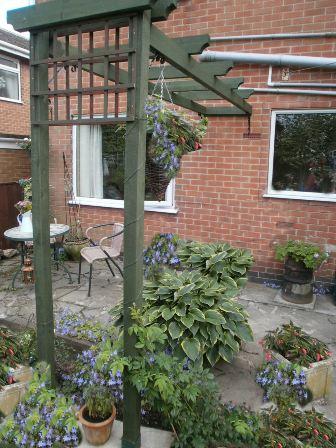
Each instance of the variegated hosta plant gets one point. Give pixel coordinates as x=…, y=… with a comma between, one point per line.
x=219, y=260
x=201, y=317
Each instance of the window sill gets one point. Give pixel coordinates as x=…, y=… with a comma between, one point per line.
x=104, y=203
x=302, y=197
x=9, y=100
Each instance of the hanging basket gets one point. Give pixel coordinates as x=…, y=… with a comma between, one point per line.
x=156, y=179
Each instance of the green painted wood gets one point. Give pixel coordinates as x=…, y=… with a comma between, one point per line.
x=176, y=56
x=215, y=68
x=193, y=44
x=39, y=48
x=135, y=160
x=207, y=95
x=187, y=86
x=60, y=12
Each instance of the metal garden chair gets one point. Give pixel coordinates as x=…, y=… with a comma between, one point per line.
x=100, y=250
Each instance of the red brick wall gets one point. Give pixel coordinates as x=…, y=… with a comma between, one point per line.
x=14, y=121
x=14, y=165
x=219, y=191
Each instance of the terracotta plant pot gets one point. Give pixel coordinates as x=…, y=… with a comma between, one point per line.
x=96, y=433
x=297, y=284
x=73, y=248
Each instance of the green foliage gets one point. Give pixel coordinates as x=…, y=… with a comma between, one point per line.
x=309, y=254
x=199, y=315
x=219, y=260
x=296, y=345
x=43, y=416
x=99, y=402
x=11, y=353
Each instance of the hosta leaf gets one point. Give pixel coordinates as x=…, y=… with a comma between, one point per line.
x=188, y=320
x=227, y=306
x=241, y=282
x=207, y=300
x=232, y=342
x=240, y=269
x=226, y=353
x=185, y=290
x=236, y=316
x=212, y=355
x=198, y=314
x=214, y=317
x=164, y=291
x=192, y=348
x=175, y=330
x=229, y=281
x=244, y=332
x=180, y=310
x=168, y=314
x=194, y=329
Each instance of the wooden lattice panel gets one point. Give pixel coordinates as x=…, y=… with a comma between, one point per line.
x=84, y=72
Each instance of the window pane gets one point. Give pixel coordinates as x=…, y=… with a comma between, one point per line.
x=9, y=85
x=8, y=63
x=103, y=179
x=305, y=152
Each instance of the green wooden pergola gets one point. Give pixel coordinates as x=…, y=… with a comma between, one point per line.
x=54, y=27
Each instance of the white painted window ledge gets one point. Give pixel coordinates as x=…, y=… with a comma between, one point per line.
x=106, y=203
x=302, y=197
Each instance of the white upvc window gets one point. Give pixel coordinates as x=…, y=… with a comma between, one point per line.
x=10, y=84
x=98, y=170
x=302, y=161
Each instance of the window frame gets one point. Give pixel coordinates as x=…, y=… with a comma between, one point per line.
x=12, y=70
x=167, y=206
x=286, y=194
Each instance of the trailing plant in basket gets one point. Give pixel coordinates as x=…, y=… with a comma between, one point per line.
x=295, y=345
x=309, y=254
x=172, y=136
x=199, y=315
x=219, y=260
x=161, y=252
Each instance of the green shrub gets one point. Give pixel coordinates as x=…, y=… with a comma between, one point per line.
x=219, y=260
x=199, y=315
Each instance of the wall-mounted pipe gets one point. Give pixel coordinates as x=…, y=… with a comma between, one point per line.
x=292, y=91
x=283, y=60
x=320, y=85
x=273, y=36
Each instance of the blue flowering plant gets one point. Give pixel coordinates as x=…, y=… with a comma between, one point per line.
x=74, y=325
x=282, y=379
x=43, y=419
x=171, y=136
x=161, y=253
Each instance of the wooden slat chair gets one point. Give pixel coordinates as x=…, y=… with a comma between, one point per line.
x=100, y=250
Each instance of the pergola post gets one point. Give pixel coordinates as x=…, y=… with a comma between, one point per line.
x=135, y=158
x=39, y=50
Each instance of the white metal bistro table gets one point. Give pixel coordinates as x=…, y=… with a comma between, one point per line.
x=16, y=234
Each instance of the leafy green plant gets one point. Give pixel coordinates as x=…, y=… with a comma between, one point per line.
x=99, y=402
x=295, y=345
x=199, y=315
x=309, y=254
x=219, y=260
x=43, y=418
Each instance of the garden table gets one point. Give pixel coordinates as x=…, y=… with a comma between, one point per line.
x=16, y=234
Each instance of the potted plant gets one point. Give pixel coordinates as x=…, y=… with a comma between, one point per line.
x=98, y=414
x=301, y=259
x=291, y=346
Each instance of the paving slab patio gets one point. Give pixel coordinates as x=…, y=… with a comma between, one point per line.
x=236, y=380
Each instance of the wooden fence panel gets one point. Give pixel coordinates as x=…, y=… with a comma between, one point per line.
x=10, y=193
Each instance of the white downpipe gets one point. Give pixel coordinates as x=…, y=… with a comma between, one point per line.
x=273, y=36
x=271, y=83
x=283, y=60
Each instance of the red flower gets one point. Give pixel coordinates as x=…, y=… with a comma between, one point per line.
x=304, y=351
x=268, y=357
x=196, y=145
x=319, y=357
x=326, y=437
x=315, y=431
x=279, y=445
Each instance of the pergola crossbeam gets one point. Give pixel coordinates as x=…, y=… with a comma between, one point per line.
x=61, y=12
x=215, y=68
x=176, y=56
